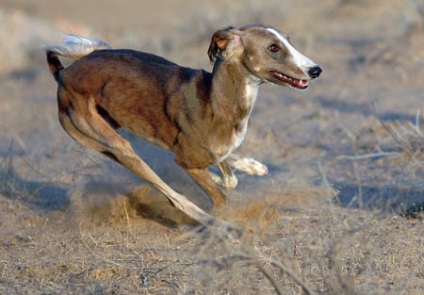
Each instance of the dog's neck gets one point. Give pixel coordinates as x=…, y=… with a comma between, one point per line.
x=234, y=90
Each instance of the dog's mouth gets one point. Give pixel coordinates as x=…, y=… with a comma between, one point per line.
x=296, y=83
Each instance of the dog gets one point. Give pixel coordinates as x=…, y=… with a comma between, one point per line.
x=200, y=117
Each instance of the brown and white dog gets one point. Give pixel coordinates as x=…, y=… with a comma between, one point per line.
x=201, y=117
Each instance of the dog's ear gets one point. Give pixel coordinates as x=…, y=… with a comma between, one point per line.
x=220, y=41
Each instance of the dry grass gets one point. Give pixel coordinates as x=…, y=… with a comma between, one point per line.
x=290, y=246
x=320, y=251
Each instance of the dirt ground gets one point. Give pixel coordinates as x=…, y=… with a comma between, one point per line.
x=339, y=213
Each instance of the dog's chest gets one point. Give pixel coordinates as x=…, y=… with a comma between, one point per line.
x=237, y=135
x=238, y=132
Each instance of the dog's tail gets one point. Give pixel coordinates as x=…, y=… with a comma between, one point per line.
x=73, y=47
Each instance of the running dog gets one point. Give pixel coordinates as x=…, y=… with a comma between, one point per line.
x=199, y=116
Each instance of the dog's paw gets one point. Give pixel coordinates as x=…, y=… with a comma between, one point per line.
x=226, y=182
x=248, y=165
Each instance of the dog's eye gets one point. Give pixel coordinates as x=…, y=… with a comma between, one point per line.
x=274, y=48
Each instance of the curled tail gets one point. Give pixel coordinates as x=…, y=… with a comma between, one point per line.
x=73, y=47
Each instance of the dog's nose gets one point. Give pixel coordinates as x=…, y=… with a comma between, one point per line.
x=314, y=72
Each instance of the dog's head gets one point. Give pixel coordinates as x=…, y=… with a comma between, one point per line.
x=266, y=53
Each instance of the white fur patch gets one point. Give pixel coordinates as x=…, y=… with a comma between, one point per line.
x=247, y=165
x=251, y=91
x=301, y=60
x=229, y=182
x=76, y=46
x=250, y=94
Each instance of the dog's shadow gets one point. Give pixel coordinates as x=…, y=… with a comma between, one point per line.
x=37, y=195
x=95, y=199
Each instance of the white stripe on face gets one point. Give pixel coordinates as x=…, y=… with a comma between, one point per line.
x=301, y=60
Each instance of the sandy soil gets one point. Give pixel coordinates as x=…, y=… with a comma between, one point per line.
x=339, y=213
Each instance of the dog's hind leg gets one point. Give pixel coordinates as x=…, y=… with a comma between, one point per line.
x=82, y=122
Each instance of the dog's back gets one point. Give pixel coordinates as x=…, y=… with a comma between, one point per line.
x=142, y=92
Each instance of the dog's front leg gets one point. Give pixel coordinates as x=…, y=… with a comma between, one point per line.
x=247, y=165
x=228, y=179
x=205, y=181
